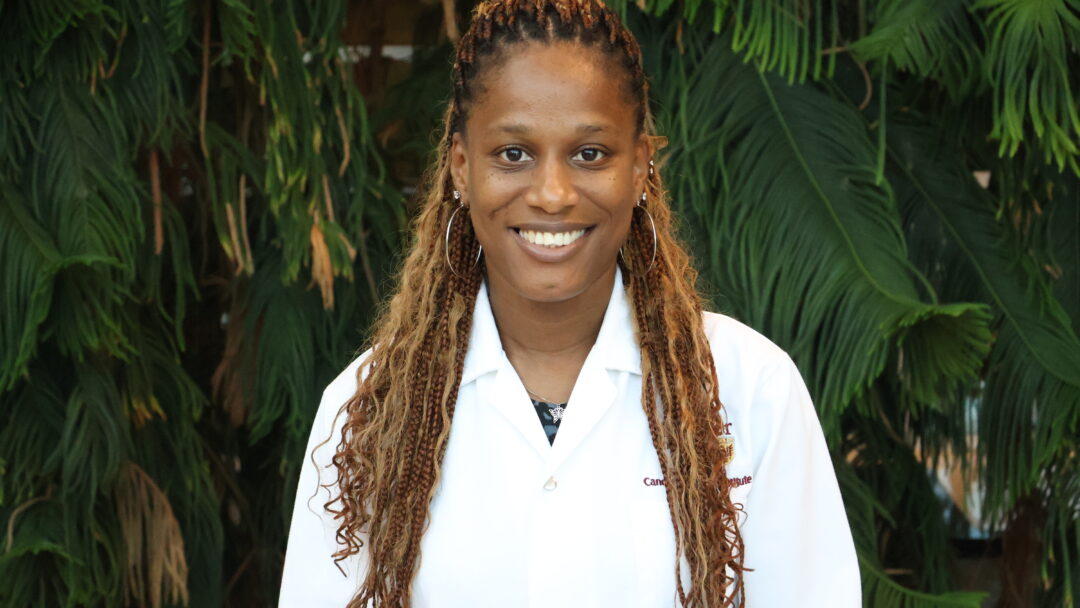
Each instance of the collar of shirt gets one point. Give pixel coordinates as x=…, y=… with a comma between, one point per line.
x=616, y=346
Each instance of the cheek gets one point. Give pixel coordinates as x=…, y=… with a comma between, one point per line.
x=619, y=206
x=490, y=229
x=491, y=197
x=614, y=190
x=622, y=223
x=486, y=204
x=481, y=228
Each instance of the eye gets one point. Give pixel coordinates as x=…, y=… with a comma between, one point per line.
x=514, y=154
x=590, y=154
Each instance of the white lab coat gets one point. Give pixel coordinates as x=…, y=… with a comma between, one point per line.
x=584, y=522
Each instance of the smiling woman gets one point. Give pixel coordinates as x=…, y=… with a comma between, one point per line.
x=551, y=149
x=551, y=163
x=677, y=458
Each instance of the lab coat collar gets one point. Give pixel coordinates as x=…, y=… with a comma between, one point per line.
x=616, y=345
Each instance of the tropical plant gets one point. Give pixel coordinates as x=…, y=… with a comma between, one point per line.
x=175, y=176
x=835, y=207
x=197, y=216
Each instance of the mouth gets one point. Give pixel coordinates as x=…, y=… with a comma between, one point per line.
x=552, y=243
x=549, y=239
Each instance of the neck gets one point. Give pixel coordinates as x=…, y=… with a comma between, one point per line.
x=532, y=331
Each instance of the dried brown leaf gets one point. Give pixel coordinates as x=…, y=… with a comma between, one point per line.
x=155, y=566
x=322, y=271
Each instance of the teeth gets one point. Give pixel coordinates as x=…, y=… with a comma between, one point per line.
x=551, y=239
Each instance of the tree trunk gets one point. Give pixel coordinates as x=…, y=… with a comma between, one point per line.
x=1021, y=553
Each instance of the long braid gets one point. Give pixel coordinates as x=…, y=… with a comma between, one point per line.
x=675, y=350
x=683, y=404
x=390, y=453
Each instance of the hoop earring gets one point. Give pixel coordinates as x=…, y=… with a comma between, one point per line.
x=652, y=224
x=446, y=242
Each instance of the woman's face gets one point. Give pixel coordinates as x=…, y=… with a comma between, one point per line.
x=550, y=168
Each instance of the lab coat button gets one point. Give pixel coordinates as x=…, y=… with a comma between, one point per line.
x=551, y=484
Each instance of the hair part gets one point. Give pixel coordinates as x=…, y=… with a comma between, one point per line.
x=390, y=452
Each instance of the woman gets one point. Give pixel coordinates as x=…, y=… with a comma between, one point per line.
x=547, y=417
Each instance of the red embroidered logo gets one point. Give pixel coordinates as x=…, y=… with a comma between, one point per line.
x=740, y=481
x=734, y=481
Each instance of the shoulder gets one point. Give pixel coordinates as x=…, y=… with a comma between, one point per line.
x=760, y=386
x=328, y=424
x=344, y=385
x=755, y=376
x=740, y=351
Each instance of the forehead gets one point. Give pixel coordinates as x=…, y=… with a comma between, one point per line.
x=551, y=87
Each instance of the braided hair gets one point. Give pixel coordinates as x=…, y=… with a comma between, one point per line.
x=389, y=455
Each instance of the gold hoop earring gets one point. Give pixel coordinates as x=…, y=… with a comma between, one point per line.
x=446, y=242
x=652, y=225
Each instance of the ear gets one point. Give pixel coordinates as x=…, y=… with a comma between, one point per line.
x=643, y=153
x=459, y=165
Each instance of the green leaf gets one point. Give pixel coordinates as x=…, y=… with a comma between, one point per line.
x=1031, y=400
x=1028, y=63
x=936, y=39
x=799, y=236
x=30, y=260
x=882, y=592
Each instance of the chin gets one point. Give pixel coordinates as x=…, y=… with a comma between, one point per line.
x=553, y=285
x=550, y=288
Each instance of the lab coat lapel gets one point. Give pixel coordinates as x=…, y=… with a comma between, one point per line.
x=507, y=395
x=616, y=350
x=592, y=398
x=504, y=392
x=485, y=349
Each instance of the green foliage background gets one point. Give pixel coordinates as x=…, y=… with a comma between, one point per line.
x=199, y=212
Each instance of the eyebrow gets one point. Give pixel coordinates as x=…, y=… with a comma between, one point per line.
x=520, y=129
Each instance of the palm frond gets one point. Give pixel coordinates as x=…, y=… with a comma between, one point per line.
x=146, y=77
x=236, y=20
x=1063, y=244
x=1061, y=534
x=155, y=566
x=881, y=591
x=33, y=420
x=795, y=38
x=1033, y=393
x=1028, y=63
x=934, y=39
x=1029, y=404
x=168, y=445
x=83, y=192
x=803, y=240
x=30, y=260
x=282, y=320
x=37, y=553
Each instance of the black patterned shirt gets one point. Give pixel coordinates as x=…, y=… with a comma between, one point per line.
x=551, y=415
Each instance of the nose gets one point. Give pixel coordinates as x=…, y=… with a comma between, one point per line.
x=554, y=190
